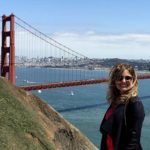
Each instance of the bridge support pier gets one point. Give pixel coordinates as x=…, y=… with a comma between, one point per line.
x=8, y=49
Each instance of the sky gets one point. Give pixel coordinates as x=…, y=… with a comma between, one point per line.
x=95, y=28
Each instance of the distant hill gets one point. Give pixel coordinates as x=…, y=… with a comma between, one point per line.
x=28, y=123
x=139, y=64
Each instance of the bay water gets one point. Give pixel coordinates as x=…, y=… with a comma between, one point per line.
x=83, y=106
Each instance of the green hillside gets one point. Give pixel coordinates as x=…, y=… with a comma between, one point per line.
x=28, y=123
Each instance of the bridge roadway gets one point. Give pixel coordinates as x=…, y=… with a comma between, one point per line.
x=71, y=83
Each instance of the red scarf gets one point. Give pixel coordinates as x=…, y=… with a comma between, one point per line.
x=109, y=141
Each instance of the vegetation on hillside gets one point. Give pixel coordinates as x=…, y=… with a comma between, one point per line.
x=28, y=123
x=19, y=128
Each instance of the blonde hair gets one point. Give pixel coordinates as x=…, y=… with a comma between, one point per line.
x=114, y=96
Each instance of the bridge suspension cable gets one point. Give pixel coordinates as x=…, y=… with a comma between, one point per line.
x=60, y=46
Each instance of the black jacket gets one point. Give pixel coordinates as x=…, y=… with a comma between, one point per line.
x=124, y=125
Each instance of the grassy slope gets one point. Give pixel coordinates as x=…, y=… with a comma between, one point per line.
x=27, y=123
x=19, y=128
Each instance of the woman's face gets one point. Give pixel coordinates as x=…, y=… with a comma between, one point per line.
x=125, y=82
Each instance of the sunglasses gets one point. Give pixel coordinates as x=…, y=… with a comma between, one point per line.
x=127, y=78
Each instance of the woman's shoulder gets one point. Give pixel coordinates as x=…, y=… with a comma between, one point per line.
x=135, y=106
x=134, y=99
x=135, y=102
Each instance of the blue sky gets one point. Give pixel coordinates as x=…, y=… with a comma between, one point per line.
x=96, y=28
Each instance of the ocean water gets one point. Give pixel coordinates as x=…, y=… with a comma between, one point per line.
x=84, y=106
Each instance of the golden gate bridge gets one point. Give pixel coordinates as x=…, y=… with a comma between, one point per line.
x=25, y=47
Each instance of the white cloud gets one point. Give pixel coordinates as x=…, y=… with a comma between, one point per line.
x=91, y=44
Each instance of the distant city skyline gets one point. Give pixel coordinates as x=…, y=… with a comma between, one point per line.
x=97, y=29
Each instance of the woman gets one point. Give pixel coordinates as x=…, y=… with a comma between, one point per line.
x=122, y=123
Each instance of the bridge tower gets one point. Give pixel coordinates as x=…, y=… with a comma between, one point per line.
x=8, y=49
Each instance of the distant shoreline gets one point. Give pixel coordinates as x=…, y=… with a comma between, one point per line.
x=80, y=68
